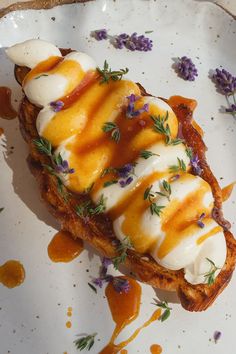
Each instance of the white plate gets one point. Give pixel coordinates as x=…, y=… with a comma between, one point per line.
x=200, y=30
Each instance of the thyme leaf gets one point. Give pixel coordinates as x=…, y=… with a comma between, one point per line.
x=92, y=287
x=163, y=305
x=210, y=276
x=189, y=152
x=122, y=250
x=113, y=129
x=107, y=74
x=149, y=195
x=87, y=209
x=179, y=167
x=162, y=127
x=85, y=342
x=43, y=146
x=109, y=183
x=145, y=154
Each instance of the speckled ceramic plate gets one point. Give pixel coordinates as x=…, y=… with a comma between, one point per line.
x=33, y=316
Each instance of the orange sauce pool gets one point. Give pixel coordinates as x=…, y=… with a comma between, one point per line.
x=12, y=274
x=6, y=109
x=125, y=309
x=63, y=248
x=155, y=349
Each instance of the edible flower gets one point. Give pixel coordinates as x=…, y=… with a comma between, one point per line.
x=231, y=109
x=99, y=34
x=131, y=112
x=199, y=222
x=216, y=336
x=224, y=81
x=125, y=170
x=56, y=106
x=194, y=162
x=186, y=69
x=133, y=42
x=125, y=182
x=121, y=285
x=63, y=167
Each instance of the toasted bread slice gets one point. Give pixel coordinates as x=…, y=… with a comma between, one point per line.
x=98, y=230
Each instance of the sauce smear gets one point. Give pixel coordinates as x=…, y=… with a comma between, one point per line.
x=227, y=191
x=125, y=309
x=63, y=248
x=6, y=109
x=155, y=349
x=12, y=274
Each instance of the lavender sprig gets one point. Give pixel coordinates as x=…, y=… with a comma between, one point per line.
x=121, y=285
x=132, y=42
x=99, y=34
x=56, y=105
x=85, y=342
x=216, y=336
x=131, y=112
x=231, y=109
x=200, y=222
x=195, y=164
x=186, y=69
x=224, y=81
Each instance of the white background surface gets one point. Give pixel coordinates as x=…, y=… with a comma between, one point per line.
x=181, y=27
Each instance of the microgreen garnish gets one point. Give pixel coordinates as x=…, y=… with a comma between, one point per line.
x=107, y=74
x=150, y=196
x=122, y=250
x=189, y=152
x=86, y=208
x=92, y=287
x=113, y=129
x=145, y=154
x=162, y=127
x=199, y=221
x=109, y=183
x=1, y=209
x=164, y=305
x=180, y=167
x=131, y=112
x=38, y=77
x=58, y=165
x=44, y=146
x=85, y=342
x=166, y=190
x=210, y=276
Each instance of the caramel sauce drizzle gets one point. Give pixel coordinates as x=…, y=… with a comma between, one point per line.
x=125, y=309
x=12, y=274
x=64, y=248
x=6, y=110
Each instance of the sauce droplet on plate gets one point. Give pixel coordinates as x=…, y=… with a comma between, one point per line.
x=6, y=109
x=1, y=131
x=125, y=309
x=12, y=274
x=63, y=248
x=68, y=324
x=155, y=349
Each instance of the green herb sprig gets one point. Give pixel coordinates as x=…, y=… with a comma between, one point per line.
x=111, y=127
x=166, y=190
x=179, y=167
x=210, y=276
x=107, y=74
x=86, y=208
x=189, y=152
x=149, y=195
x=122, y=249
x=145, y=154
x=44, y=147
x=92, y=287
x=162, y=127
x=164, y=305
x=85, y=342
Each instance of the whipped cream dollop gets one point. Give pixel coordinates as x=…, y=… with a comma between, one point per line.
x=174, y=238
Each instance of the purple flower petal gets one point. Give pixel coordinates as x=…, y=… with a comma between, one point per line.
x=186, y=69
x=216, y=336
x=56, y=105
x=224, y=81
x=121, y=285
x=100, y=34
